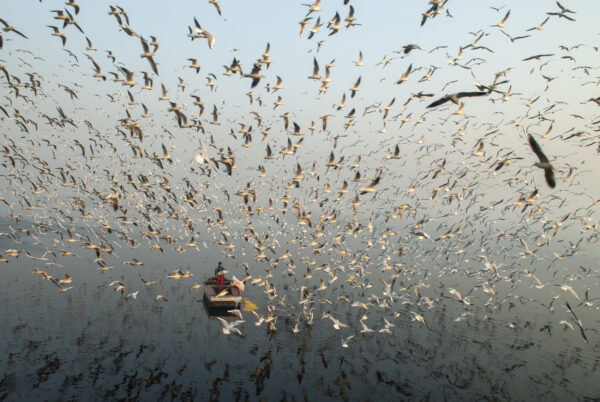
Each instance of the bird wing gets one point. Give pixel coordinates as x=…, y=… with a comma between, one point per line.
x=549, y=174
x=537, y=149
x=153, y=65
x=439, y=102
x=469, y=94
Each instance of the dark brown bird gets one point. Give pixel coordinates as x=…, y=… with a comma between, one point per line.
x=455, y=97
x=544, y=163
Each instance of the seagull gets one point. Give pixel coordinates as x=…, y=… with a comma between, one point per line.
x=455, y=97
x=57, y=33
x=354, y=89
x=216, y=4
x=410, y=47
x=501, y=23
x=544, y=163
x=567, y=324
x=228, y=328
x=236, y=312
x=215, y=116
x=404, y=76
x=313, y=8
x=360, y=59
x=336, y=323
x=526, y=250
x=210, y=38
x=419, y=317
x=195, y=65
x=538, y=56
x=315, y=75
x=365, y=329
x=458, y=295
x=512, y=39
x=303, y=24
x=346, y=340
x=297, y=130
x=73, y=4
x=148, y=283
x=563, y=12
x=8, y=28
x=539, y=27
x=259, y=317
x=148, y=55
x=567, y=288
x=350, y=18
x=129, y=77
x=255, y=75
x=386, y=327
x=98, y=73
x=578, y=322
x=203, y=33
x=371, y=187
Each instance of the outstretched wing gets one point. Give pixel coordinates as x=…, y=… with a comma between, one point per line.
x=549, y=173
x=537, y=149
x=438, y=102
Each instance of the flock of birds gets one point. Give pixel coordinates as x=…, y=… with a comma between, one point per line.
x=328, y=228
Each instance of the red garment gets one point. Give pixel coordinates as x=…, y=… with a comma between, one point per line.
x=220, y=280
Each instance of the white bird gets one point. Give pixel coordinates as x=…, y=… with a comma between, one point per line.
x=567, y=324
x=570, y=289
x=387, y=326
x=526, y=250
x=236, y=312
x=148, y=283
x=260, y=318
x=388, y=292
x=203, y=33
x=296, y=328
x=359, y=304
x=228, y=328
x=365, y=329
x=210, y=38
x=336, y=323
x=346, y=340
x=455, y=292
x=419, y=317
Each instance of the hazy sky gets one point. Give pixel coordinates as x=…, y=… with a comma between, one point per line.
x=382, y=29
x=246, y=28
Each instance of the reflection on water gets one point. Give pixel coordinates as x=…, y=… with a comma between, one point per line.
x=60, y=345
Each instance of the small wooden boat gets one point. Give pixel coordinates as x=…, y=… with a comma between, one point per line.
x=230, y=300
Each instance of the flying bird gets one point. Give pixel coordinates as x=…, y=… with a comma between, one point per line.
x=58, y=34
x=455, y=98
x=501, y=23
x=544, y=163
x=216, y=4
x=255, y=75
x=148, y=55
x=228, y=328
x=8, y=28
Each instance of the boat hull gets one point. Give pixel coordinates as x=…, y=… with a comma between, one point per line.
x=231, y=300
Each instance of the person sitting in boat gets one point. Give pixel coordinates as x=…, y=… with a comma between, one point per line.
x=220, y=274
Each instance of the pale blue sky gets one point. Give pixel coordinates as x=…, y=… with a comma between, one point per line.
x=385, y=27
x=248, y=26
